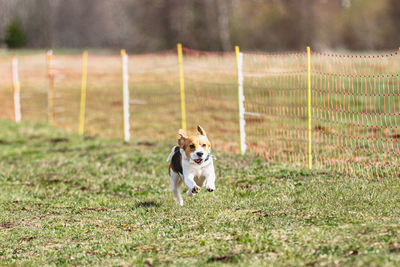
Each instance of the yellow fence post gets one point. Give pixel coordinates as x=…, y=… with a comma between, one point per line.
x=182, y=86
x=309, y=106
x=50, y=89
x=83, y=93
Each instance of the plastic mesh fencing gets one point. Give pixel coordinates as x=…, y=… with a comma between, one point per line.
x=154, y=96
x=63, y=83
x=33, y=80
x=356, y=114
x=5, y=89
x=275, y=89
x=354, y=111
x=355, y=103
x=211, y=96
x=33, y=83
x=103, y=114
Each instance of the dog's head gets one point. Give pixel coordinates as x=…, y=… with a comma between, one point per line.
x=197, y=147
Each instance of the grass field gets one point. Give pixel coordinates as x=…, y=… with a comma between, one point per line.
x=91, y=201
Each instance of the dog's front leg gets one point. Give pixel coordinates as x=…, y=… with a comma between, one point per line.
x=210, y=182
x=210, y=179
x=190, y=183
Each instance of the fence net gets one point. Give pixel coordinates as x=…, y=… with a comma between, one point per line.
x=211, y=96
x=356, y=113
x=275, y=89
x=355, y=106
x=154, y=95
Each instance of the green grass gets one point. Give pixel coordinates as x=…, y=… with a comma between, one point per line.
x=67, y=200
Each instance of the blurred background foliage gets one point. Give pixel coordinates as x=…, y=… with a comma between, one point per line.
x=268, y=25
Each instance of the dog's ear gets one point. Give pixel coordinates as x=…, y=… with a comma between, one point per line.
x=182, y=133
x=181, y=140
x=201, y=130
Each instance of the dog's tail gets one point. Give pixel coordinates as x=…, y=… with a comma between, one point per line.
x=173, y=151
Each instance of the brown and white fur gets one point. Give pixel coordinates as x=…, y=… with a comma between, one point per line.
x=191, y=163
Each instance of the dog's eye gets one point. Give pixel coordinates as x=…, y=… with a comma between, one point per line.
x=191, y=146
x=204, y=145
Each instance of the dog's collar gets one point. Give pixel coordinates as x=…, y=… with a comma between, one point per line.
x=208, y=157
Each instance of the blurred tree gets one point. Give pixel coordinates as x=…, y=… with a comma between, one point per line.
x=393, y=10
x=14, y=36
x=223, y=25
x=272, y=25
x=365, y=25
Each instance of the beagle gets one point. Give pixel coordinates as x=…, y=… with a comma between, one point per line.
x=191, y=162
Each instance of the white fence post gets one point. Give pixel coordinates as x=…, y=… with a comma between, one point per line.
x=125, y=90
x=16, y=89
x=242, y=121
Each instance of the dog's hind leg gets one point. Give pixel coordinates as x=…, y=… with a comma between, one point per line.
x=176, y=183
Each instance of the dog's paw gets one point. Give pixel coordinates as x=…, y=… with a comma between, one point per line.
x=210, y=188
x=195, y=189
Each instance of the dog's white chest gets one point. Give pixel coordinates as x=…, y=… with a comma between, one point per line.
x=198, y=171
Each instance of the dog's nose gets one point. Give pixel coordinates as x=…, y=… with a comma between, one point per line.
x=199, y=154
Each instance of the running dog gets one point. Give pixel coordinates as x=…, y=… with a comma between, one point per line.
x=191, y=162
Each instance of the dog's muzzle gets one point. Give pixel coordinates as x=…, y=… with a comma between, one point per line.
x=198, y=161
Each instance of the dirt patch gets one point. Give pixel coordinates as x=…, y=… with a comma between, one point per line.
x=145, y=144
x=244, y=185
x=29, y=238
x=223, y=258
x=59, y=140
x=147, y=204
x=127, y=227
x=137, y=189
x=49, y=178
x=254, y=120
x=394, y=247
x=396, y=136
x=116, y=103
x=217, y=118
x=260, y=213
x=61, y=150
x=373, y=129
x=7, y=225
x=33, y=137
x=79, y=209
x=2, y=142
x=319, y=128
x=351, y=253
x=95, y=209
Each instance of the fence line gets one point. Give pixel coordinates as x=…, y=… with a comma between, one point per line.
x=125, y=93
x=182, y=86
x=242, y=122
x=16, y=89
x=81, y=130
x=317, y=110
x=50, y=90
x=309, y=115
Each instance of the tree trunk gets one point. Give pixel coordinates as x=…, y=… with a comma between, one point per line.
x=223, y=25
